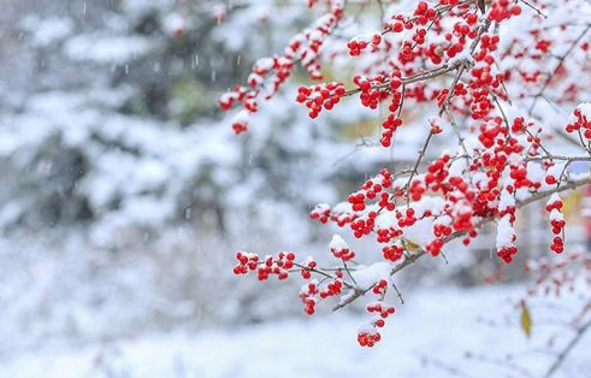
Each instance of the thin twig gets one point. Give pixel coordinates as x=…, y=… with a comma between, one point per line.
x=570, y=346
x=537, y=10
x=561, y=60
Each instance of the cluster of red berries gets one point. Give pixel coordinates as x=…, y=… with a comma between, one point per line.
x=507, y=253
x=269, y=74
x=246, y=262
x=392, y=122
x=462, y=217
x=364, y=226
x=398, y=24
x=490, y=131
x=481, y=104
x=437, y=171
x=373, y=90
x=406, y=219
x=340, y=249
x=488, y=44
x=506, y=237
x=368, y=336
x=519, y=174
x=308, y=266
x=324, y=212
x=239, y=127
x=321, y=212
x=392, y=252
x=334, y=288
x=370, y=190
x=308, y=297
x=322, y=96
x=434, y=247
x=311, y=292
x=424, y=13
x=506, y=248
x=581, y=121
x=390, y=125
x=360, y=43
x=279, y=265
x=380, y=287
x=502, y=10
x=380, y=308
x=554, y=207
x=441, y=230
x=518, y=125
x=238, y=94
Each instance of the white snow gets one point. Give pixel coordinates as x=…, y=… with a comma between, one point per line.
x=367, y=276
x=436, y=323
x=556, y=215
x=555, y=197
x=505, y=232
x=338, y=243
x=585, y=109
x=506, y=200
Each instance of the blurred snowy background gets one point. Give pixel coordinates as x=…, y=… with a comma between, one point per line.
x=124, y=195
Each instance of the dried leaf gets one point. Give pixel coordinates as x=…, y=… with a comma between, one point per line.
x=525, y=320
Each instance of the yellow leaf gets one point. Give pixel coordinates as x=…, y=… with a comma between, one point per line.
x=410, y=246
x=526, y=321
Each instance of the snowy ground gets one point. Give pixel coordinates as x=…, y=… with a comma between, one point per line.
x=440, y=323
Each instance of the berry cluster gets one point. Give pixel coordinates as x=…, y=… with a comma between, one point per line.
x=502, y=10
x=308, y=266
x=506, y=248
x=581, y=121
x=317, y=97
x=311, y=293
x=340, y=249
x=246, y=262
x=368, y=335
x=307, y=295
x=370, y=190
x=554, y=207
x=392, y=252
x=380, y=287
x=373, y=90
x=321, y=212
x=360, y=43
x=269, y=74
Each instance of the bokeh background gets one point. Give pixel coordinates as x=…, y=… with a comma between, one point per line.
x=124, y=195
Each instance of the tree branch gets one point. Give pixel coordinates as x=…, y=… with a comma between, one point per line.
x=411, y=259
